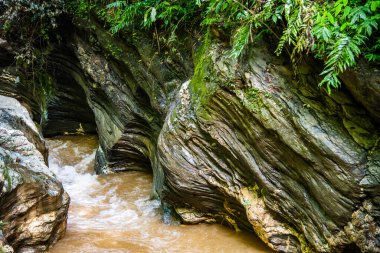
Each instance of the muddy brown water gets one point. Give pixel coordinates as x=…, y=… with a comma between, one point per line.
x=114, y=213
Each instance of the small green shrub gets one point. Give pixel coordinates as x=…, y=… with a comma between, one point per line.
x=7, y=177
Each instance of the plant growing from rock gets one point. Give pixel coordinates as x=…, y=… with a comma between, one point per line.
x=337, y=32
x=29, y=23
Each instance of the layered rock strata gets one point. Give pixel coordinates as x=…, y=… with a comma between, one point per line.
x=33, y=203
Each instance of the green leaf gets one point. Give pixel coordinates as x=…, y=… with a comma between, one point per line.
x=346, y=11
x=372, y=57
x=240, y=40
x=374, y=6
x=343, y=26
x=117, y=4
x=338, y=9
x=274, y=18
x=330, y=18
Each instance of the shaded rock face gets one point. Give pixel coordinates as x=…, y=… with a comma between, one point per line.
x=67, y=109
x=364, y=84
x=129, y=86
x=11, y=85
x=53, y=96
x=6, y=55
x=33, y=204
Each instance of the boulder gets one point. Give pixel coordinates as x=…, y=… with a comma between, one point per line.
x=249, y=146
x=33, y=203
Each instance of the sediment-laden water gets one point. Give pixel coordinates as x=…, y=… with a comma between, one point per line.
x=114, y=213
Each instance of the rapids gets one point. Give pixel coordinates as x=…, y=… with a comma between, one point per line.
x=114, y=213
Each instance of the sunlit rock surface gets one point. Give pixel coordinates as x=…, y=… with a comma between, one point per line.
x=33, y=204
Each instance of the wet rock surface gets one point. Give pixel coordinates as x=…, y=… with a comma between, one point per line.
x=33, y=204
x=243, y=143
x=249, y=146
x=302, y=167
x=130, y=86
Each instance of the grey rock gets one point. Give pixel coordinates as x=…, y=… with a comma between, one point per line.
x=290, y=159
x=33, y=204
x=242, y=143
x=129, y=86
x=363, y=82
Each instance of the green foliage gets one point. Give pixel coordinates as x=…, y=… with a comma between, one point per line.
x=80, y=8
x=29, y=25
x=337, y=32
x=45, y=93
x=29, y=19
x=343, y=30
x=128, y=14
x=240, y=39
x=201, y=72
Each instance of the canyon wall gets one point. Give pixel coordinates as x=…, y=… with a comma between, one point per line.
x=245, y=143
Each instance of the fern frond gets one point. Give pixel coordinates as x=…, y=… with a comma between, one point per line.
x=240, y=40
x=341, y=57
x=117, y=4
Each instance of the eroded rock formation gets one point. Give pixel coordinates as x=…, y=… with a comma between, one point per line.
x=244, y=143
x=130, y=87
x=301, y=166
x=33, y=204
x=253, y=148
x=248, y=145
x=364, y=84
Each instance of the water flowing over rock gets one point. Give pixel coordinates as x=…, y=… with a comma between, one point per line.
x=241, y=142
x=33, y=204
x=248, y=146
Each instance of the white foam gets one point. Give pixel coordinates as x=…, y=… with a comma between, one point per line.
x=111, y=212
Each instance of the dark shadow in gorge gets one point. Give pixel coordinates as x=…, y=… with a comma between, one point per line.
x=77, y=103
x=67, y=110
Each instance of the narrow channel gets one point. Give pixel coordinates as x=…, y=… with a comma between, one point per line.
x=113, y=213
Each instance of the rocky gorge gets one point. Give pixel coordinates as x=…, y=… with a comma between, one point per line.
x=242, y=142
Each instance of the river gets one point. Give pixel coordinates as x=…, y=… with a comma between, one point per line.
x=113, y=213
